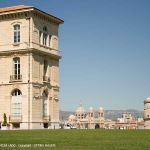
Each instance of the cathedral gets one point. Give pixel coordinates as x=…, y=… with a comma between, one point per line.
x=29, y=58
x=87, y=120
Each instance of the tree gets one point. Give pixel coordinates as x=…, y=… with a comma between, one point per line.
x=4, y=120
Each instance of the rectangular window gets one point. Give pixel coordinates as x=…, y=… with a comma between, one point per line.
x=17, y=34
x=45, y=67
x=16, y=68
x=40, y=37
x=45, y=39
x=15, y=37
x=50, y=37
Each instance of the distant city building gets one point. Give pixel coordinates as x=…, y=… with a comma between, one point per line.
x=147, y=113
x=128, y=121
x=126, y=118
x=110, y=124
x=87, y=120
x=29, y=58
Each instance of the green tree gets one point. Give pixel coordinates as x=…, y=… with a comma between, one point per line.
x=4, y=120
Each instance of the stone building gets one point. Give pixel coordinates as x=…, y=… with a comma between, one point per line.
x=87, y=120
x=127, y=121
x=147, y=113
x=29, y=58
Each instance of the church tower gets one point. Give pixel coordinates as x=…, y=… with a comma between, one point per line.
x=91, y=123
x=147, y=113
x=101, y=117
x=29, y=58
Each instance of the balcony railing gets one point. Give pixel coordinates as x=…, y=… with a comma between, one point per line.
x=46, y=118
x=16, y=77
x=46, y=79
x=15, y=118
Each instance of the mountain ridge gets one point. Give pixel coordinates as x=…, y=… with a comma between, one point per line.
x=109, y=114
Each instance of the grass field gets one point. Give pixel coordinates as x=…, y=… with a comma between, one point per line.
x=77, y=139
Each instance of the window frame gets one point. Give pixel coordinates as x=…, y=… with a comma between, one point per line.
x=16, y=106
x=16, y=92
x=45, y=36
x=16, y=68
x=16, y=34
x=45, y=67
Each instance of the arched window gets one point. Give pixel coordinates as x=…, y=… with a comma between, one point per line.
x=16, y=104
x=16, y=92
x=16, y=71
x=45, y=35
x=17, y=33
x=101, y=114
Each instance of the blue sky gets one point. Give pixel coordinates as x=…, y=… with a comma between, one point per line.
x=105, y=47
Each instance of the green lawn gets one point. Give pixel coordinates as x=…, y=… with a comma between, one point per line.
x=78, y=139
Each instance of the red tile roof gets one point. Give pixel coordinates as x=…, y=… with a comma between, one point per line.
x=14, y=8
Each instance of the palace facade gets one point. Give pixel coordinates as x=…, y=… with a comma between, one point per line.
x=29, y=58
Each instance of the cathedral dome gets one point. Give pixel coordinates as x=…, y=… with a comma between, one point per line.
x=80, y=109
x=91, y=109
x=101, y=109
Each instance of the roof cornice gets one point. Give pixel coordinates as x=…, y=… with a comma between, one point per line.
x=23, y=8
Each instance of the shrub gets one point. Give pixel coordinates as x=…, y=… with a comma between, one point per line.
x=4, y=120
